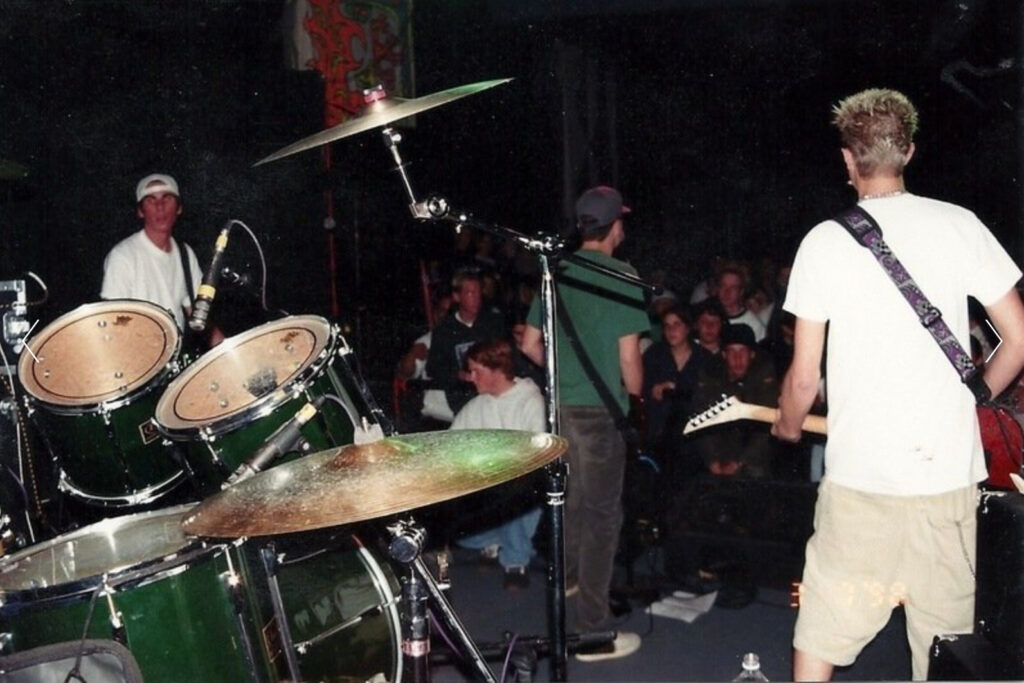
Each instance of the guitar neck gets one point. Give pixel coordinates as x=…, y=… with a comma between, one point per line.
x=816, y=424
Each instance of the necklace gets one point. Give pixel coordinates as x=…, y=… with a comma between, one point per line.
x=883, y=195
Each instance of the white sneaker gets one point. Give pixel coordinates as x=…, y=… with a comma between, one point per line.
x=624, y=645
x=489, y=554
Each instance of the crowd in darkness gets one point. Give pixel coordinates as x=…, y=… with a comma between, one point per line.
x=727, y=336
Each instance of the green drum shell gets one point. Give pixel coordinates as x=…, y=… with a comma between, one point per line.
x=111, y=464
x=177, y=612
x=179, y=627
x=342, y=612
x=183, y=621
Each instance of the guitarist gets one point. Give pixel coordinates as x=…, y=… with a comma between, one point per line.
x=608, y=317
x=895, y=517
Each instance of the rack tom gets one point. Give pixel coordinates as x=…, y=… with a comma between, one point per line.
x=93, y=377
x=227, y=403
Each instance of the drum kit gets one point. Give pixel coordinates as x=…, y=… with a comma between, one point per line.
x=230, y=485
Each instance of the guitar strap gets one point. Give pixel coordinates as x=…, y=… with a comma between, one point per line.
x=595, y=378
x=865, y=229
x=186, y=271
x=188, y=336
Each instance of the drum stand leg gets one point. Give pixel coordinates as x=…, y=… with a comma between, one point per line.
x=407, y=541
x=556, y=475
x=269, y=557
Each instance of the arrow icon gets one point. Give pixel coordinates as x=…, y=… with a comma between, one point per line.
x=26, y=336
x=997, y=345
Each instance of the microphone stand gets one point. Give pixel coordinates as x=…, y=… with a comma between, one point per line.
x=548, y=248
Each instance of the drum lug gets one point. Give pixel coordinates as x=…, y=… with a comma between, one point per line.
x=104, y=412
x=5, y=641
x=117, y=631
x=343, y=348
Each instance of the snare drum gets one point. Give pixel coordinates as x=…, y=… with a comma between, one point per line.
x=93, y=377
x=229, y=401
x=188, y=610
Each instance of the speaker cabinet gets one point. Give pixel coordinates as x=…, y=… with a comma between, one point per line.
x=999, y=602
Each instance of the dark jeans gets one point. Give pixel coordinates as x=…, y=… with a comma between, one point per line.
x=593, y=508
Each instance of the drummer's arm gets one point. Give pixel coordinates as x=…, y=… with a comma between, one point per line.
x=532, y=345
x=215, y=337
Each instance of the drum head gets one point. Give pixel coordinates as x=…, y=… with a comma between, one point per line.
x=244, y=378
x=106, y=547
x=99, y=353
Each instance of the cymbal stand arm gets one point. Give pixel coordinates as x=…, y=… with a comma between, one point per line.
x=407, y=540
x=391, y=139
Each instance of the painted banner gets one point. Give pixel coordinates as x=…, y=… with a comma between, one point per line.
x=355, y=45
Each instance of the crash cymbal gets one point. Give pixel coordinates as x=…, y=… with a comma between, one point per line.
x=360, y=482
x=381, y=112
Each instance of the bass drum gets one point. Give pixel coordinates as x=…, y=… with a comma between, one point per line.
x=192, y=611
x=227, y=403
x=93, y=377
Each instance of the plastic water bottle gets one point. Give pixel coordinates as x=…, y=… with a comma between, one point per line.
x=751, y=669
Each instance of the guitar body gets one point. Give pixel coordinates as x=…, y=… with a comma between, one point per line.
x=1003, y=441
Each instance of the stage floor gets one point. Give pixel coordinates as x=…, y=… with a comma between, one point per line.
x=709, y=649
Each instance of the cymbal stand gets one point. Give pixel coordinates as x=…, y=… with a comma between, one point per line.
x=548, y=248
x=407, y=541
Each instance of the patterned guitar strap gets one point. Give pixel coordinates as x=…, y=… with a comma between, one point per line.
x=860, y=224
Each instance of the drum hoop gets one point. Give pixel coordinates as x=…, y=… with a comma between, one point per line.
x=117, y=580
x=390, y=605
x=260, y=407
x=140, y=497
x=156, y=379
x=107, y=526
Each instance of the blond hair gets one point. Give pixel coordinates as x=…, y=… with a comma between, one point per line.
x=878, y=127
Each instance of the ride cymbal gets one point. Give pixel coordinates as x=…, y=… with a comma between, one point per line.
x=360, y=482
x=380, y=111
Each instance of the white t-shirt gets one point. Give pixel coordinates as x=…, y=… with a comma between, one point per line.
x=899, y=419
x=138, y=269
x=521, y=407
x=750, y=319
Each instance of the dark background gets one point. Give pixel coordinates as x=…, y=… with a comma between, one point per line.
x=711, y=117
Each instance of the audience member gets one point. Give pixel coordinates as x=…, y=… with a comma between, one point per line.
x=503, y=401
x=452, y=337
x=730, y=287
x=710, y=319
x=671, y=368
x=738, y=447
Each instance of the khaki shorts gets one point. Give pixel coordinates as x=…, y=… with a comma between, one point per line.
x=870, y=553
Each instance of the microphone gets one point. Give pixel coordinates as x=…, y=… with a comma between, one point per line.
x=208, y=288
x=281, y=441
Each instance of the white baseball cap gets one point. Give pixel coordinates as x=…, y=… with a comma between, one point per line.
x=156, y=183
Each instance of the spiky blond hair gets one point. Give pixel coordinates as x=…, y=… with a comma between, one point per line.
x=877, y=126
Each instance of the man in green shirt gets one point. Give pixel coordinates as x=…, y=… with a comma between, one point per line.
x=609, y=316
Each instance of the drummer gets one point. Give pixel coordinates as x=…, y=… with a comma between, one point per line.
x=149, y=264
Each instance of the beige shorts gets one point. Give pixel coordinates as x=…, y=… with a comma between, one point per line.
x=870, y=553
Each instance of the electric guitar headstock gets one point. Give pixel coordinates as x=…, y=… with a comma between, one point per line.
x=730, y=409
x=727, y=409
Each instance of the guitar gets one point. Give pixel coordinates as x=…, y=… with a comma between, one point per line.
x=731, y=408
